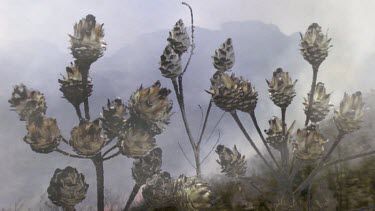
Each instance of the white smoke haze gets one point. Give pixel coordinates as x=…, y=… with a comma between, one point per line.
x=33, y=50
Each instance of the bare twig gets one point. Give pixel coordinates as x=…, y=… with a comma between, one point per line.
x=78, y=111
x=349, y=158
x=112, y=156
x=201, y=122
x=132, y=196
x=183, y=152
x=311, y=99
x=71, y=155
x=205, y=122
x=284, y=148
x=217, y=141
x=109, y=150
x=192, y=38
x=65, y=141
x=217, y=123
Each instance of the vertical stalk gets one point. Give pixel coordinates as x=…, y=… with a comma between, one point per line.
x=98, y=162
x=132, y=196
x=312, y=91
x=84, y=69
x=284, y=148
x=78, y=111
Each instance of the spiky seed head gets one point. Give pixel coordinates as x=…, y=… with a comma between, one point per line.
x=224, y=58
x=281, y=88
x=170, y=63
x=309, y=144
x=113, y=117
x=67, y=187
x=145, y=167
x=158, y=191
x=86, y=138
x=179, y=38
x=232, y=163
x=350, y=114
x=151, y=106
x=321, y=103
x=87, y=43
x=30, y=105
x=135, y=142
x=72, y=86
x=275, y=136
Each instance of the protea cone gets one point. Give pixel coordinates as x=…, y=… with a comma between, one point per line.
x=179, y=38
x=87, y=44
x=232, y=163
x=191, y=194
x=281, y=88
x=145, y=167
x=350, y=115
x=135, y=142
x=158, y=191
x=230, y=93
x=224, y=57
x=113, y=117
x=170, y=63
x=67, y=187
x=151, y=106
x=314, y=45
x=86, y=138
x=73, y=87
x=309, y=144
x=43, y=135
x=320, y=105
x=29, y=104
x=275, y=136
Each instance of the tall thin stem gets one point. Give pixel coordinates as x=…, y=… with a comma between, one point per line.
x=284, y=148
x=132, y=196
x=205, y=122
x=253, y=117
x=78, y=111
x=84, y=69
x=312, y=91
x=98, y=162
x=372, y=152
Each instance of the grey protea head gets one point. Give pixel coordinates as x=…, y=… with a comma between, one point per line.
x=158, y=191
x=232, y=163
x=350, y=114
x=151, y=106
x=145, y=167
x=275, y=136
x=170, y=63
x=281, y=88
x=67, y=187
x=73, y=87
x=315, y=45
x=87, y=44
x=320, y=106
x=86, y=138
x=192, y=194
x=29, y=104
x=43, y=135
x=113, y=117
x=309, y=144
x=179, y=38
x=224, y=57
x=135, y=142
x=230, y=93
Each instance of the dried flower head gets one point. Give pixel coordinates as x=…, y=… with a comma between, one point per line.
x=350, y=115
x=232, y=163
x=275, y=136
x=113, y=117
x=86, y=138
x=29, y=104
x=281, y=88
x=320, y=106
x=158, y=191
x=145, y=167
x=224, y=57
x=72, y=86
x=87, y=44
x=314, y=45
x=43, y=135
x=67, y=187
x=179, y=38
x=135, y=142
x=170, y=63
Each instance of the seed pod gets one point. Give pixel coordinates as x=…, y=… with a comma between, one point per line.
x=320, y=105
x=232, y=163
x=275, y=136
x=145, y=167
x=43, y=135
x=179, y=38
x=86, y=138
x=281, y=88
x=113, y=117
x=224, y=57
x=158, y=191
x=135, y=142
x=350, y=115
x=170, y=63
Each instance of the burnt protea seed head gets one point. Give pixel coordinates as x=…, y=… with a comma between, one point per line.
x=113, y=117
x=230, y=93
x=43, y=135
x=192, y=194
x=29, y=104
x=170, y=63
x=73, y=87
x=315, y=45
x=151, y=106
x=86, y=138
x=350, y=114
x=87, y=44
x=158, y=191
x=320, y=106
x=309, y=144
x=224, y=57
x=275, y=136
x=145, y=167
x=232, y=163
x=281, y=88
x=135, y=142
x=179, y=38
x=67, y=187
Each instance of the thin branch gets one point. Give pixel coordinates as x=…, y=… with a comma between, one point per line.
x=217, y=123
x=109, y=150
x=71, y=155
x=64, y=140
x=284, y=149
x=108, y=142
x=252, y=183
x=349, y=158
x=183, y=152
x=205, y=122
x=311, y=99
x=201, y=122
x=192, y=38
x=132, y=196
x=78, y=111
x=112, y=156
x=217, y=141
